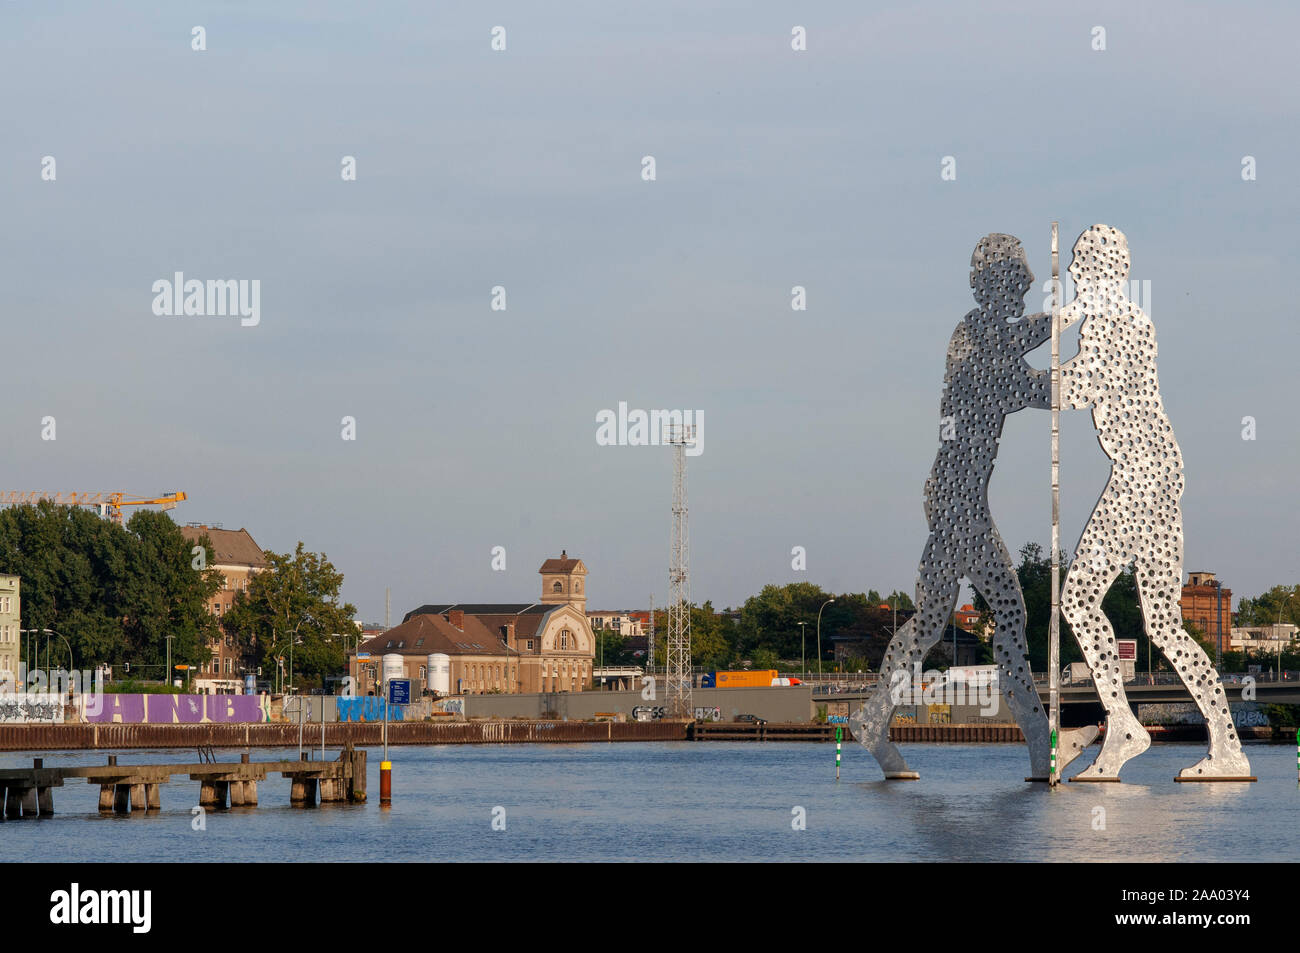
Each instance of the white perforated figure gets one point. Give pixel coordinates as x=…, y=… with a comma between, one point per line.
x=987, y=378
x=1138, y=520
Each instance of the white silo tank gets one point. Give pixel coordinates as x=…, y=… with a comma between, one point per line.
x=393, y=667
x=439, y=670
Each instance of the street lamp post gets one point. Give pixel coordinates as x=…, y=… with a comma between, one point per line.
x=47, y=633
x=355, y=648
x=803, y=652
x=819, y=636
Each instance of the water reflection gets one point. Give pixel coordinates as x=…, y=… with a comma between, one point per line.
x=703, y=801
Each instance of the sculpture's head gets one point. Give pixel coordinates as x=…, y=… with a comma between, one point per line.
x=1100, y=266
x=999, y=273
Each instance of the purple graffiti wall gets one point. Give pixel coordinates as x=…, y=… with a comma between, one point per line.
x=178, y=709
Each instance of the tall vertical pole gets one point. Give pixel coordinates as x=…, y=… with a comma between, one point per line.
x=1054, y=628
x=650, y=653
x=677, y=676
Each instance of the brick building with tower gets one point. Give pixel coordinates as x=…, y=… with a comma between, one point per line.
x=511, y=648
x=1207, y=604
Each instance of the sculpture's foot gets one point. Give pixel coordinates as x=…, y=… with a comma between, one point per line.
x=892, y=762
x=1125, y=739
x=1073, y=741
x=1038, y=739
x=873, y=733
x=1231, y=766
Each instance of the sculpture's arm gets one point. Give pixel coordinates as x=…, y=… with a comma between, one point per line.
x=1077, y=384
x=1031, y=331
x=1038, y=388
x=1071, y=313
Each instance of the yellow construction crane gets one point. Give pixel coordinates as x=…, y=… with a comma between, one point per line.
x=109, y=504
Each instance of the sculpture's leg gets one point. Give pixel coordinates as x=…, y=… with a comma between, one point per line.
x=997, y=583
x=1159, y=590
x=907, y=650
x=1091, y=574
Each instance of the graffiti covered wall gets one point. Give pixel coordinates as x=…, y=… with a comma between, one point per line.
x=21, y=709
x=1244, y=714
x=176, y=709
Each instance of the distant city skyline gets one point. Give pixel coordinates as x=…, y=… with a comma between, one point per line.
x=522, y=169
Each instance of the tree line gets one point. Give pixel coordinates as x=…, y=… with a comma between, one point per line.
x=765, y=631
x=116, y=592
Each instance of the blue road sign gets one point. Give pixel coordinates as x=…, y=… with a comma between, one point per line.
x=399, y=691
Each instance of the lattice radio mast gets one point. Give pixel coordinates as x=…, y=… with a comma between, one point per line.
x=677, y=675
x=650, y=647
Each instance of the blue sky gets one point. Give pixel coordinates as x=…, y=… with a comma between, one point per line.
x=476, y=428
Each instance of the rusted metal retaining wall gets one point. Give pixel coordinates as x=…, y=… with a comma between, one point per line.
x=68, y=737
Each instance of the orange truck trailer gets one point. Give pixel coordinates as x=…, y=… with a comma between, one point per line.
x=763, y=678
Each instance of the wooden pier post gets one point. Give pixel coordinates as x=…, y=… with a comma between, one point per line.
x=236, y=793
x=139, y=802
x=297, y=791
x=29, y=802
x=154, y=796
x=45, y=801
x=207, y=794
x=106, y=799
x=250, y=794
x=356, y=788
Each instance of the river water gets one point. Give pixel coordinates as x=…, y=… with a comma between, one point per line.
x=674, y=801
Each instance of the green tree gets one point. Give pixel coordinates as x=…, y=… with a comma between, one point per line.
x=294, y=603
x=612, y=648
x=163, y=594
x=1279, y=602
x=771, y=619
x=1121, y=606
x=900, y=599
x=712, y=638
x=113, y=592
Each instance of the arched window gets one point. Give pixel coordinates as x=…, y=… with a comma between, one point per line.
x=564, y=639
x=557, y=587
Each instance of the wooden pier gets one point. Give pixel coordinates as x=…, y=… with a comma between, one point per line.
x=763, y=731
x=989, y=733
x=46, y=738
x=135, y=788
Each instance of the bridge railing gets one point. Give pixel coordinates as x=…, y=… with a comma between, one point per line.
x=833, y=684
x=1172, y=678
